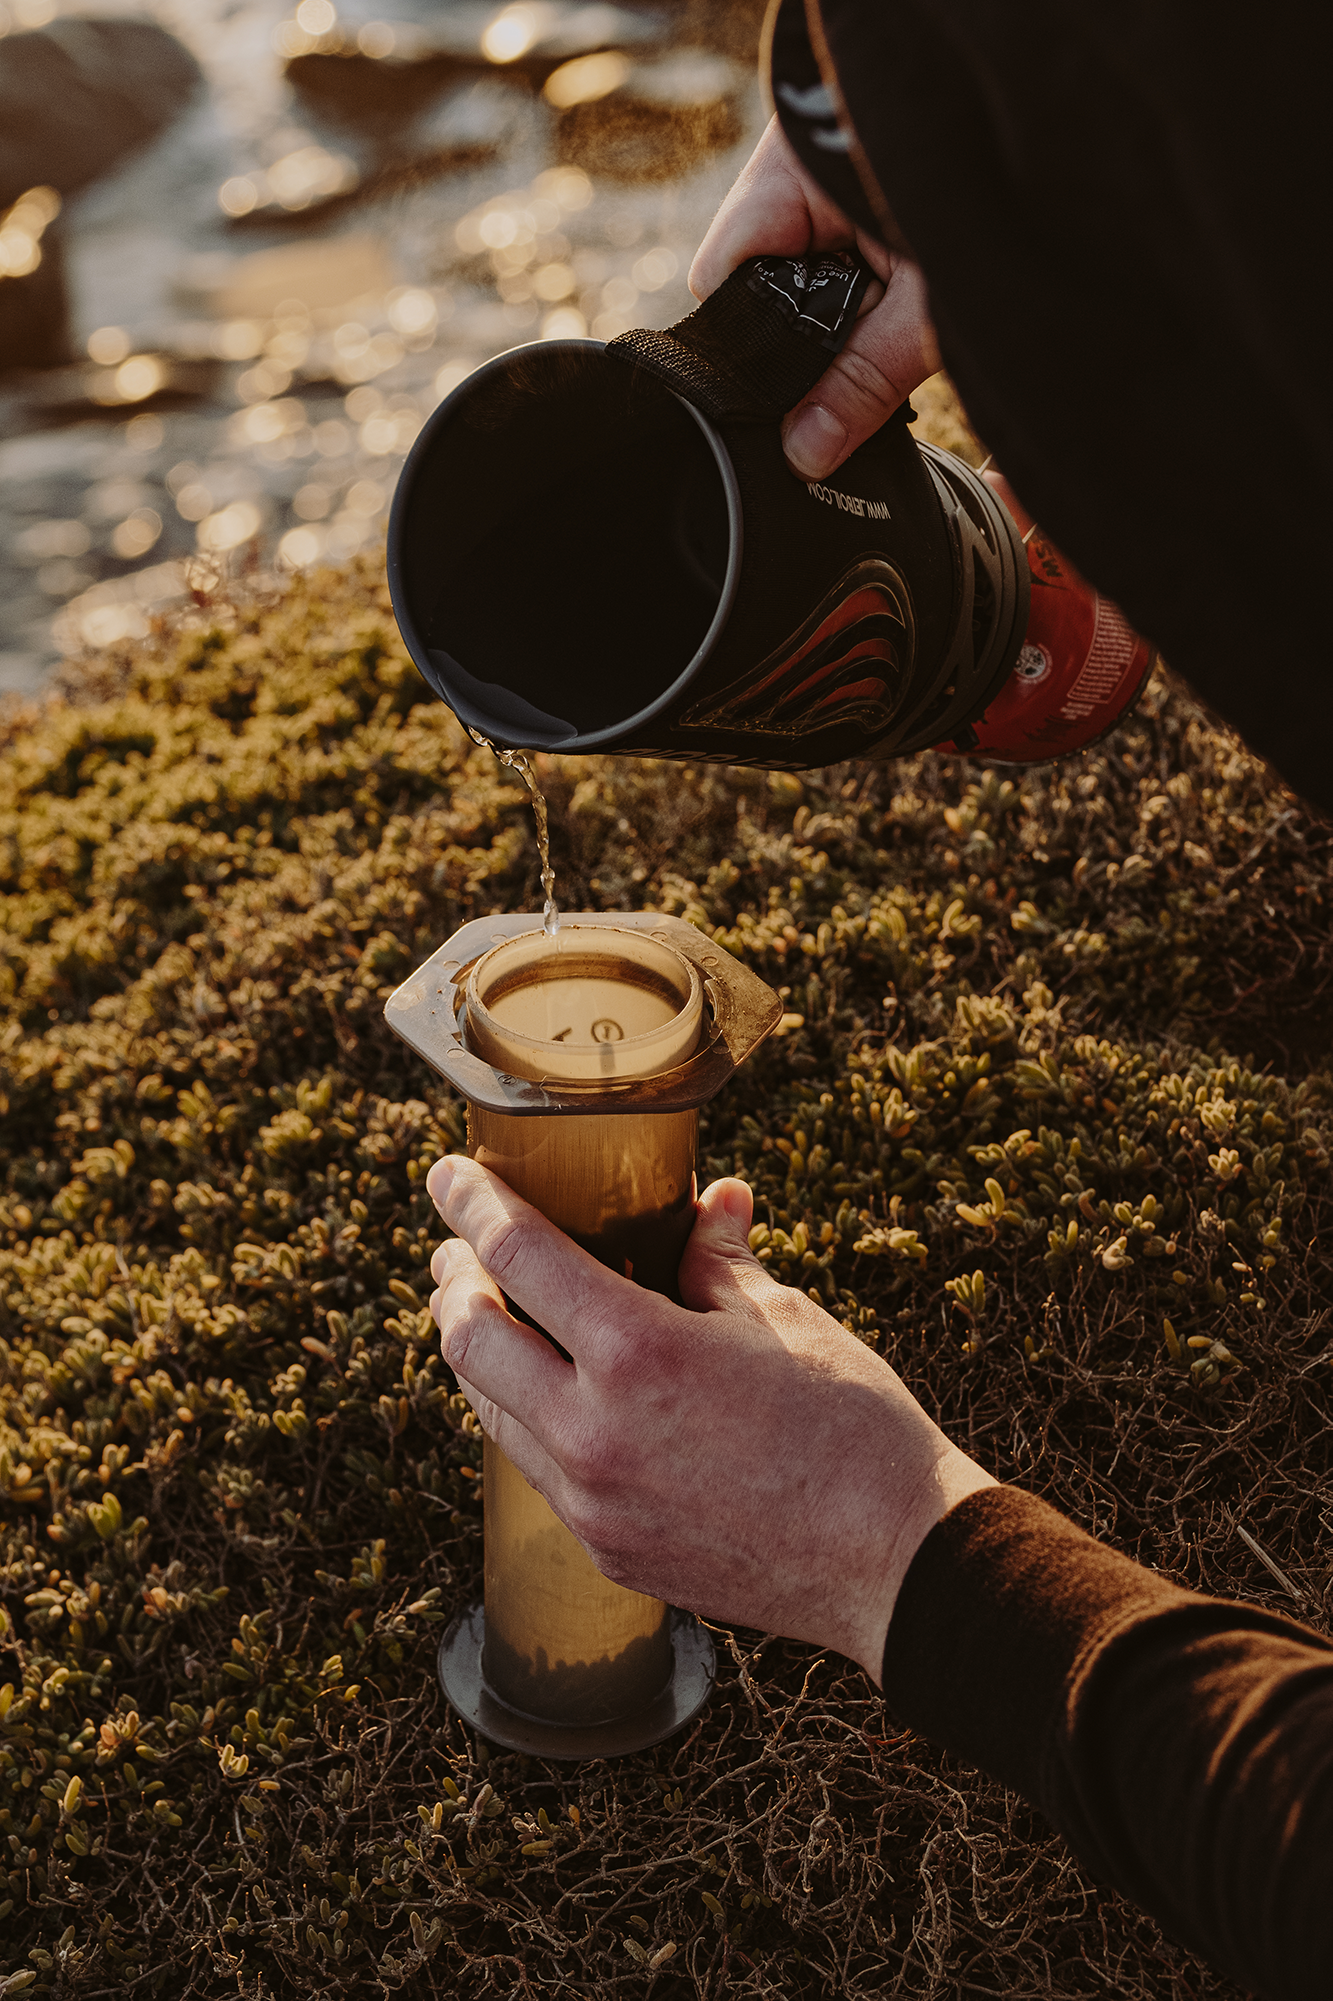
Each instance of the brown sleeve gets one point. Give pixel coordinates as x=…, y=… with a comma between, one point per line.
x=1183, y=1746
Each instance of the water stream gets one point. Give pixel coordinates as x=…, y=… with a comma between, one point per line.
x=519, y=761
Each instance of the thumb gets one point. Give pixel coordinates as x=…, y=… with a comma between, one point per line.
x=718, y=1262
x=891, y=350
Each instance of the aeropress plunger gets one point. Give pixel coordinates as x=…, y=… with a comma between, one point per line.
x=584, y=1058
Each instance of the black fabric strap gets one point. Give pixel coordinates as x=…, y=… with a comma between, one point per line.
x=762, y=340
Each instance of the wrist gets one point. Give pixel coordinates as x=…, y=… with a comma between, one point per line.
x=948, y=1478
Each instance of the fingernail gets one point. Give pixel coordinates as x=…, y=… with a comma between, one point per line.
x=738, y=1205
x=439, y=1181
x=814, y=442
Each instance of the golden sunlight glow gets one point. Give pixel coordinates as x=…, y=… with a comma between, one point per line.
x=317, y=17
x=411, y=311
x=515, y=29
x=376, y=39
x=142, y=375
x=229, y=527
x=586, y=79
x=108, y=345
x=136, y=534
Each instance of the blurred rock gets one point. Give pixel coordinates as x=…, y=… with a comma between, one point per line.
x=649, y=120
x=374, y=93
x=139, y=382
x=34, y=307
x=329, y=273
x=469, y=127
x=532, y=37
x=307, y=184
x=465, y=128
x=374, y=78
x=78, y=96
x=734, y=30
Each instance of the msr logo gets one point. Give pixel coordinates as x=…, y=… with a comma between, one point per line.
x=849, y=503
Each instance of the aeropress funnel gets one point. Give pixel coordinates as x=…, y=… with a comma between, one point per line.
x=602, y=548
x=584, y=1058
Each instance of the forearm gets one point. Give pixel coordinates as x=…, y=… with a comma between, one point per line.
x=1182, y=1745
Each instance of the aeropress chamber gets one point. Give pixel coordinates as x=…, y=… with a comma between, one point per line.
x=583, y=1057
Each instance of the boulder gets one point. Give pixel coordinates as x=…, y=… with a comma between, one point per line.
x=327, y=273
x=34, y=307
x=650, y=120
x=466, y=128
x=376, y=78
x=78, y=96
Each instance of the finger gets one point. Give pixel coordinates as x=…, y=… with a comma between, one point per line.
x=719, y=1269
x=583, y=1304
x=519, y=1446
x=773, y=209
x=452, y=1262
x=498, y=1359
x=890, y=351
x=443, y=1257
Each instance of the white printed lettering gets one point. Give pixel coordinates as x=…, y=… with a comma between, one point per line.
x=850, y=503
x=1102, y=673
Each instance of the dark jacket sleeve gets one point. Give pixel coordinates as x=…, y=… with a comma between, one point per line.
x=1183, y=1746
x=1116, y=212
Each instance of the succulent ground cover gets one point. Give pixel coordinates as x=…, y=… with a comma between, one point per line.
x=1049, y=1121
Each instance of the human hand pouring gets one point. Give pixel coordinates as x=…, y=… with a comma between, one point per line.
x=741, y=1455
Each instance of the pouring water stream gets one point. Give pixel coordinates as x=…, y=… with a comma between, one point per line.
x=519, y=761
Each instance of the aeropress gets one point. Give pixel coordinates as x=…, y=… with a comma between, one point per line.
x=584, y=1057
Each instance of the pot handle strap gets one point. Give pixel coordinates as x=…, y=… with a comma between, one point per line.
x=761, y=341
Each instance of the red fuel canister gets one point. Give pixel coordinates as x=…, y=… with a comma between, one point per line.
x=1081, y=667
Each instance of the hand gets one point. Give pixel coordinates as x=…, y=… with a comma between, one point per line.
x=741, y=1455
x=776, y=207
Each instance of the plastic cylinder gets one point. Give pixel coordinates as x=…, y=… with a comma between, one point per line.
x=588, y=1010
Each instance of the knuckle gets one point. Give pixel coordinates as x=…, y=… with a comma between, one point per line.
x=499, y=1247
x=859, y=377
x=620, y=1366
x=635, y=1366
x=460, y=1327
x=602, y=1532
x=595, y=1463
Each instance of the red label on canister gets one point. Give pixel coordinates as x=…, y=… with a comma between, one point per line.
x=1080, y=668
